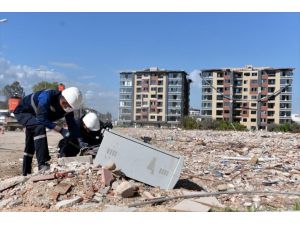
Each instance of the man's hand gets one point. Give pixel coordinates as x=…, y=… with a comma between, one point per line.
x=64, y=132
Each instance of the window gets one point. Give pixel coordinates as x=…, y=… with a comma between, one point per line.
x=253, y=112
x=159, y=90
x=152, y=117
x=245, y=89
x=271, y=82
x=244, y=119
x=220, y=82
x=254, y=74
x=160, y=82
x=247, y=74
x=253, y=120
x=253, y=104
x=245, y=82
x=245, y=97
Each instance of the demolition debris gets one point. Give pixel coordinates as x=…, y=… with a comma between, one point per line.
x=239, y=171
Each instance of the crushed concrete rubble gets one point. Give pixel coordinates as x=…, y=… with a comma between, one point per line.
x=215, y=161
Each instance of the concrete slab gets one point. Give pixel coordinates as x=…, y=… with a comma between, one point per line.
x=68, y=202
x=79, y=159
x=11, y=182
x=190, y=206
x=140, y=161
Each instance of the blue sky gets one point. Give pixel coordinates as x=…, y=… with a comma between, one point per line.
x=89, y=49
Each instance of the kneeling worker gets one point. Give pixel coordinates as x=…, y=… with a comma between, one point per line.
x=37, y=112
x=90, y=128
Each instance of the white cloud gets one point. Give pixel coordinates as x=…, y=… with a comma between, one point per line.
x=65, y=65
x=195, y=77
x=26, y=75
x=95, y=96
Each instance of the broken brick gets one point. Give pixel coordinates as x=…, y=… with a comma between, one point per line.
x=107, y=177
x=62, y=188
x=43, y=177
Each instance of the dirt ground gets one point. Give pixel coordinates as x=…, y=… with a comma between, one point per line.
x=11, y=151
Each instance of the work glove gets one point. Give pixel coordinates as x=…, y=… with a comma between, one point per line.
x=64, y=132
x=107, y=125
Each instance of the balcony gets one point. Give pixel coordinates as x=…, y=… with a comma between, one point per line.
x=226, y=108
x=226, y=115
x=263, y=116
x=227, y=84
x=264, y=108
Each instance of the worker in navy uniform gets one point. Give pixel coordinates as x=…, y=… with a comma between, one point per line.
x=39, y=111
x=90, y=135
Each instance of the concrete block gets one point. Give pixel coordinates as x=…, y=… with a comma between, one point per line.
x=68, y=202
x=11, y=182
x=126, y=189
x=190, y=206
x=140, y=161
x=78, y=159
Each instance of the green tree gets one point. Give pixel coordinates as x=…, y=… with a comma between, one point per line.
x=44, y=85
x=13, y=90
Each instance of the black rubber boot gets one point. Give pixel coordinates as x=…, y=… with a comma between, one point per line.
x=27, y=161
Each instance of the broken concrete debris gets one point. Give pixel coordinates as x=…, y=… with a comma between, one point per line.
x=215, y=161
x=68, y=202
x=188, y=205
x=77, y=159
x=126, y=189
x=11, y=182
x=110, y=166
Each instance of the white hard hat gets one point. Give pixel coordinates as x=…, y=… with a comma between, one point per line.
x=91, y=121
x=73, y=96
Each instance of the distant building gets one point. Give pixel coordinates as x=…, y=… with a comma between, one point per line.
x=255, y=97
x=153, y=96
x=196, y=113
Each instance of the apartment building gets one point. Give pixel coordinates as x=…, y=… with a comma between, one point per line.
x=255, y=97
x=153, y=96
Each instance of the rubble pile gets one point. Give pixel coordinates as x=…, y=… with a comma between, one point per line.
x=215, y=161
